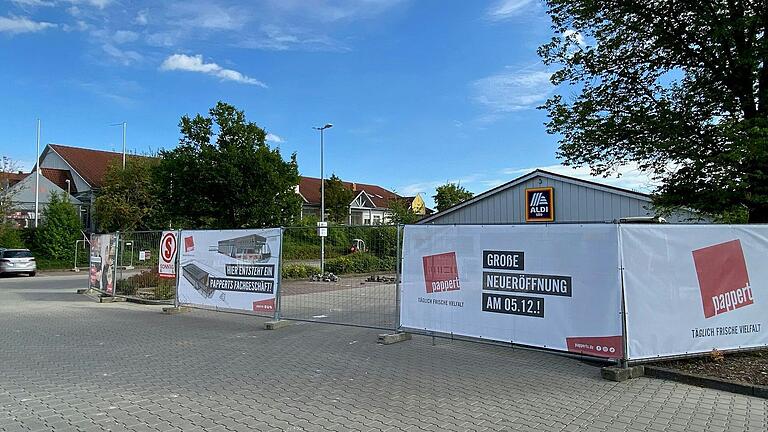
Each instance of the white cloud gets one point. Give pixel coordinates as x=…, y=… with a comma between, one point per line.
x=101, y=4
x=275, y=38
x=17, y=25
x=275, y=138
x=32, y=3
x=142, y=17
x=124, y=36
x=576, y=36
x=512, y=90
x=505, y=9
x=183, y=62
x=198, y=16
x=331, y=10
x=125, y=57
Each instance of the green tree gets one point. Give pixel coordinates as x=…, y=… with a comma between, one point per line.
x=401, y=212
x=450, y=194
x=129, y=199
x=224, y=175
x=679, y=88
x=60, y=228
x=337, y=200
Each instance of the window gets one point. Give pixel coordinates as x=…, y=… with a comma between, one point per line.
x=17, y=254
x=377, y=220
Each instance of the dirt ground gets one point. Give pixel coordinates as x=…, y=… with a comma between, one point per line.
x=748, y=367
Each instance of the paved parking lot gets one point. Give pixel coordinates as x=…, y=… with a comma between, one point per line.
x=67, y=363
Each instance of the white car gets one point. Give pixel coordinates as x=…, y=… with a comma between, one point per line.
x=17, y=261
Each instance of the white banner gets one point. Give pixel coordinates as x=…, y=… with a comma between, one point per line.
x=550, y=286
x=694, y=288
x=232, y=269
x=166, y=265
x=102, y=263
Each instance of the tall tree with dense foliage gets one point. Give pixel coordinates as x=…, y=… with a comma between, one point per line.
x=337, y=200
x=679, y=88
x=401, y=212
x=60, y=228
x=129, y=199
x=224, y=175
x=450, y=194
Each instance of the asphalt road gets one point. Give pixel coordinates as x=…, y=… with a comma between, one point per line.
x=68, y=363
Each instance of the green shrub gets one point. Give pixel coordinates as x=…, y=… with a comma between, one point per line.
x=299, y=271
x=60, y=229
x=10, y=236
x=164, y=288
x=360, y=262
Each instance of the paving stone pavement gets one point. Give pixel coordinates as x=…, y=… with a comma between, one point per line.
x=67, y=363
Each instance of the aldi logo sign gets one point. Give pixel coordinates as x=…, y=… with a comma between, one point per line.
x=540, y=204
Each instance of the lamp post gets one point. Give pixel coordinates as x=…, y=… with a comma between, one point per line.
x=125, y=126
x=69, y=188
x=37, y=176
x=322, y=198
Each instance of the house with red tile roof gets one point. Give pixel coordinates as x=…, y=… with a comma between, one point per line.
x=370, y=205
x=82, y=171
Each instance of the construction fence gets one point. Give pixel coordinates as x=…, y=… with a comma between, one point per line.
x=612, y=291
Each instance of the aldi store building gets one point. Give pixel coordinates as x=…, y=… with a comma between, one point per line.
x=546, y=197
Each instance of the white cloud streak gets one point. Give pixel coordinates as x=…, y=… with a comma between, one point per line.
x=18, y=25
x=512, y=90
x=275, y=138
x=506, y=9
x=195, y=63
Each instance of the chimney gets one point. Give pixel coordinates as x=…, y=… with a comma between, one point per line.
x=354, y=187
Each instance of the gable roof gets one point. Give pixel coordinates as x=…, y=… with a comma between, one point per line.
x=309, y=188
x=90, y=164
x=10, y=179
x=59, y=177
x=540, y=173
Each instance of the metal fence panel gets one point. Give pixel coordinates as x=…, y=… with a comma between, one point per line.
x=359, y=287
x=137, y=268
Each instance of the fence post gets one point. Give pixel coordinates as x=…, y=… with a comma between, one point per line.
x=279, y=279
x=115, y=264
x=624, y=337
x=177, y=267
x=75, y=269
x=397, y=277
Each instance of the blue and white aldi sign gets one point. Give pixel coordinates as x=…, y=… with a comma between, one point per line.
x=230, y=269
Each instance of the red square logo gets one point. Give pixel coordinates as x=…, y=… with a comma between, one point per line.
x=723, y=278
x=441, y=273
x=189, y=244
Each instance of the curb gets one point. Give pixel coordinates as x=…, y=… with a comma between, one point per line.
x=149, y=302
x=760, y=391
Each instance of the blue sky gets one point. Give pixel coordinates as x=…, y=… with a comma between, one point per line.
x=420, y=91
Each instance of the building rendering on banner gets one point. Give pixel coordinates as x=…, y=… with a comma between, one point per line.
x=369, y=206
x=544, y=197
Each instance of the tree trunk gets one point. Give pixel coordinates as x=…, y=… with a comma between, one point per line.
x=758, y=214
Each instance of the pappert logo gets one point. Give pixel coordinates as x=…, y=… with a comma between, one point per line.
x=441, y=273
x=723, y=278
x=189, y=244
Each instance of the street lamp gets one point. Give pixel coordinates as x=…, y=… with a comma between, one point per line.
x=125, y=126
x=68, y=186
x=322, y=197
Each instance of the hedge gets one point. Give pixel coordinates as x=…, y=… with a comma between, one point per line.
x=360, y=262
